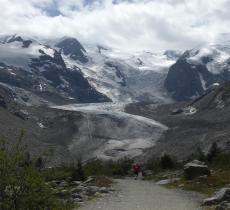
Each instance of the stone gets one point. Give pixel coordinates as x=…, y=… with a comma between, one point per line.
x=223, y=206
x=2, y=102
x=196, y=169
x=103, y=190
x=90, y=180
x=76, y=196
x=181, y=185
x=91, y=190
x=167, y=181
x=63, y=184
x=148, y=173
x=221, y=195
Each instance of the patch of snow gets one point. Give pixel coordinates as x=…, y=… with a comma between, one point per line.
x=41, y=125
x=40, y=87
x=203, y=83
x=190, y=110
x=14, y=54
x=218, y=54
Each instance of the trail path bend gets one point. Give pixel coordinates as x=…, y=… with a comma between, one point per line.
x=144, y=195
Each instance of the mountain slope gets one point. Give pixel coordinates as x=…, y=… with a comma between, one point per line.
x=126, y=77
x=198, y=69
x=193, y=126
x=40, y=70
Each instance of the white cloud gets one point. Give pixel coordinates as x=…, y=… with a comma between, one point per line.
x=128, y=24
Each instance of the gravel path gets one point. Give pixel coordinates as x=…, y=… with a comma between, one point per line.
x=143, y=195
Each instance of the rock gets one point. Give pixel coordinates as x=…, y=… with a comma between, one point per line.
x=167, y=181
x=98, y=194
x=2, y=102
x=79, y=189
x=223, y=206
x=195, y=169
x=221, y=195
x=104, y=190
x=63, y=184
x=77, y=196
x=181, y=185
x=75, y=183
x=90, y=180
x=148, y=173
x=63, y=192
x=91, y=190
x=22, y=114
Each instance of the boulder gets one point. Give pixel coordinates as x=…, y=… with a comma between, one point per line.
x=90, y=180
x=221, y=195
x=223, y=206
x=195, y=169
x=104, y=190
x=148, y=173
x=92, y=190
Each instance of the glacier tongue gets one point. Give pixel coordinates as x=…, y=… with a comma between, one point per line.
x=106, y=132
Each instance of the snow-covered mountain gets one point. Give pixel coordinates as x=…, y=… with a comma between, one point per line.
x=197, y=70
x=126, y=77
x=37, y=74
x=65, y=71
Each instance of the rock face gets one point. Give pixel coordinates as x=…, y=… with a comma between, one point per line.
x=195, y=169
x=196, y=70
x=223, y=206
x=221, y=195
x=72, y=47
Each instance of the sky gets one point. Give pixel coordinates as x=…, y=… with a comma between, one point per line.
x=128, y=25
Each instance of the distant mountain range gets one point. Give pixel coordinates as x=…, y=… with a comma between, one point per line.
x=65, y=71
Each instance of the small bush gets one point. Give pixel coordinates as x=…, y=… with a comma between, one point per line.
x=166, y=162
x=213, y=152
x=103, y=181
x=78, y=172
x=108, y=168
x=222, y=160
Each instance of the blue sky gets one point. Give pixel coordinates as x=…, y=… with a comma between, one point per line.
x=129, y=25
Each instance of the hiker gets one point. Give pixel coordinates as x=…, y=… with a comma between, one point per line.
x=136, y=169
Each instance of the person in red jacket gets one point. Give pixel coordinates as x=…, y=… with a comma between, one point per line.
x=136, y=169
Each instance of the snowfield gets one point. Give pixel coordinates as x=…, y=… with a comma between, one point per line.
x=126, y=77
x=219, y=56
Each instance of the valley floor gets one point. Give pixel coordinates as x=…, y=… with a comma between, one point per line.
x=144, y=195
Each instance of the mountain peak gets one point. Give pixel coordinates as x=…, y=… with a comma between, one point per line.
x=72, y=47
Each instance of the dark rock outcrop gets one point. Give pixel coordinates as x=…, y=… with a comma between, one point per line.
x=221, y=195
x=191, y=76
x=196, y=169
x=73, y=48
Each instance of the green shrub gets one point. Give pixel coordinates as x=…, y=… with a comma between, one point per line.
x=22, y=185
x=78, y=172
x=213, y=152
x=166, y=162
x=222, y=160
x=57, y=173
x=108, y=168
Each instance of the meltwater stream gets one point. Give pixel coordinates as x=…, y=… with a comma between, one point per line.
x=106, y=131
